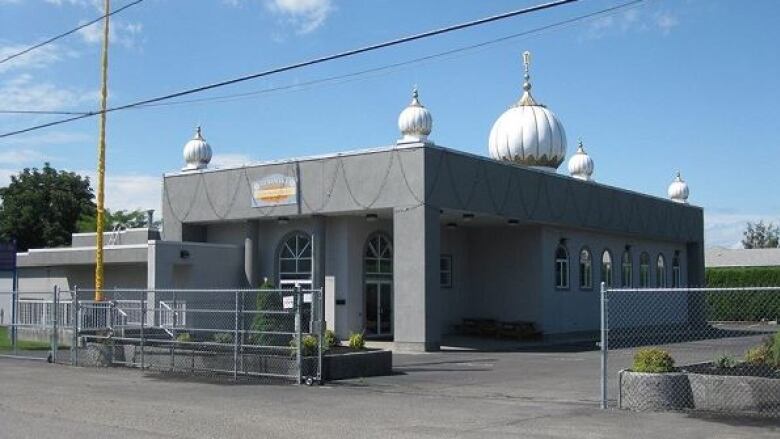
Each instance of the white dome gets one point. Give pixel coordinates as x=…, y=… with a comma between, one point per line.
x=197, y=153
x=415, y=122
x=528, y=133
x=678, y=190
x=580, y=164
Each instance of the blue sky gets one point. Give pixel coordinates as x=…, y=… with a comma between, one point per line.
x=667, y=85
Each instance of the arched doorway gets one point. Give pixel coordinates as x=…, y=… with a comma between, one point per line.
x=378, y=286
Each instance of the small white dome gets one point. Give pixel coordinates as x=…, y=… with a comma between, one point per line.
x=678, y=190
x=528, y=133
x=415, y=122
x=580, y=164
x=197, y=153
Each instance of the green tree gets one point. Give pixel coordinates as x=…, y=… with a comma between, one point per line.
x=42, y=207
x=760, y=235
x=125, y=219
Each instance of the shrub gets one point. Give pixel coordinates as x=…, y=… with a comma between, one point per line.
x=652, y=360
x=725, y=361
x=774, y=350
x=267, y=301
x=184, y=337
x=309, y=343
x=223, y=337
x=357, y=341
x=757, y=356
x=748, y=306
x=331, y=339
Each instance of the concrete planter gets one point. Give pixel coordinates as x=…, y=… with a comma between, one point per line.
x=735, y=394
x=654, y=391
x=357, y=364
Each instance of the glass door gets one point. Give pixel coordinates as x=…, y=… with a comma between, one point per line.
x=379, y=308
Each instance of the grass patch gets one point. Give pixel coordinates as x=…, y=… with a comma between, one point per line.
x=22, y=345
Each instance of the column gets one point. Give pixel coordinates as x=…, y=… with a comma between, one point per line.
x=250, y=253
x=416, y=295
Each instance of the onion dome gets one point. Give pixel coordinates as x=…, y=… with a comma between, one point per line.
x=678, y=190
x=580, y=164
x=528, y=133
x=197, y=153
x=415, y=122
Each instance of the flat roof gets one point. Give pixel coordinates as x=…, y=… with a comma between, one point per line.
x=754, y=257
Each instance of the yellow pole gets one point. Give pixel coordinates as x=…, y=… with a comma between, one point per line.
x=101, y=171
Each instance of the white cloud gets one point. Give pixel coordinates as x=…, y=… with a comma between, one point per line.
x=229, y=160
x=724, y=228
x=305, y=15
x=38, y=58
x=632, y=20
x=21, y=156
x=23, y=92
x=131, y=191
x=119, y=32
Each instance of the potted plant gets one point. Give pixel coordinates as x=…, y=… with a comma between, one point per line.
x=653, y=383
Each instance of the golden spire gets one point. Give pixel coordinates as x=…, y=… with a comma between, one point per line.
x=527, y=99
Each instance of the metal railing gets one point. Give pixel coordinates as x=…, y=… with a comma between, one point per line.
x=711, y=349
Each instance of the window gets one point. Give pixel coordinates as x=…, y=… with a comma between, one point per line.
x=606, y=268
x=644, y=270
x=676, y=278
x=586, y=269
x=561, y=267
x=445, y=271
x=660, y=272
x=626, y=272
x=378, y=259
x=295, y=260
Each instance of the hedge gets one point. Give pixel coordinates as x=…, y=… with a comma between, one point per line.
x=749, y=306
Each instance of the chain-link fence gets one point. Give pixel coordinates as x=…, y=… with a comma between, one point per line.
x=710, y=349
x=270, y=334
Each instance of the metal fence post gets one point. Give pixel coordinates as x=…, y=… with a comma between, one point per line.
x=235, y=339
x=143, y=323
x=604, y=346
x=320, y=331
x=76, y=325
x=299, y=346
x=55, y=303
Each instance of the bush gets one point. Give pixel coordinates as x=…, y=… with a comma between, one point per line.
x=357, y=341
x=184, y=337
x=310, y=346
x=749, y=306
x=652, y=360
x=773, y=346
x=268, y=301
x=223, y=337
x=757, y=356
x=725, y=361
x=331, y=339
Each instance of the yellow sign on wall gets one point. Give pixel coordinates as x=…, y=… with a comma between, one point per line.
x=274, y=190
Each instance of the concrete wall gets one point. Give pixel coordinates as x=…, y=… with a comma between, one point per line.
x=576, y=309
x=205, y=265
x=43, y=279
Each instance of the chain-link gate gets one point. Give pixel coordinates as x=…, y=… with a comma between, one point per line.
x=711, y=349
x=266, y=333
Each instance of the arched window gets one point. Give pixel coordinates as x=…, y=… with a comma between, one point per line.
x=295, y=260
x=660, y=272
x=379, y=257
x=627, y=270
x=586, y=269
x=561, y=267
x=676, y=277
x=644, y=270
x=606, y=268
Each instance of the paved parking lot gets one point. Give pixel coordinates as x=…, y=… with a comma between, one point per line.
x=545, y=393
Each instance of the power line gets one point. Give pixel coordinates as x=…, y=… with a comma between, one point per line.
x=355, y=75
x=65, y=34
x=307, y=63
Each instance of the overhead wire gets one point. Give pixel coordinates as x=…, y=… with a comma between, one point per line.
x=298, y=65
x=66, y=33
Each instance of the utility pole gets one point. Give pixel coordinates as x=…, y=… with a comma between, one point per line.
x=101, y=165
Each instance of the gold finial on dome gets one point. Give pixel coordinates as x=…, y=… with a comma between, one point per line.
x=527, y=99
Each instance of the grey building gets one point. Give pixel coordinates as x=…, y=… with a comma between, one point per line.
x=719, y=257
x=409, y=239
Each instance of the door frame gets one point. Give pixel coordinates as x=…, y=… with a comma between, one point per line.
x=378, y=282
